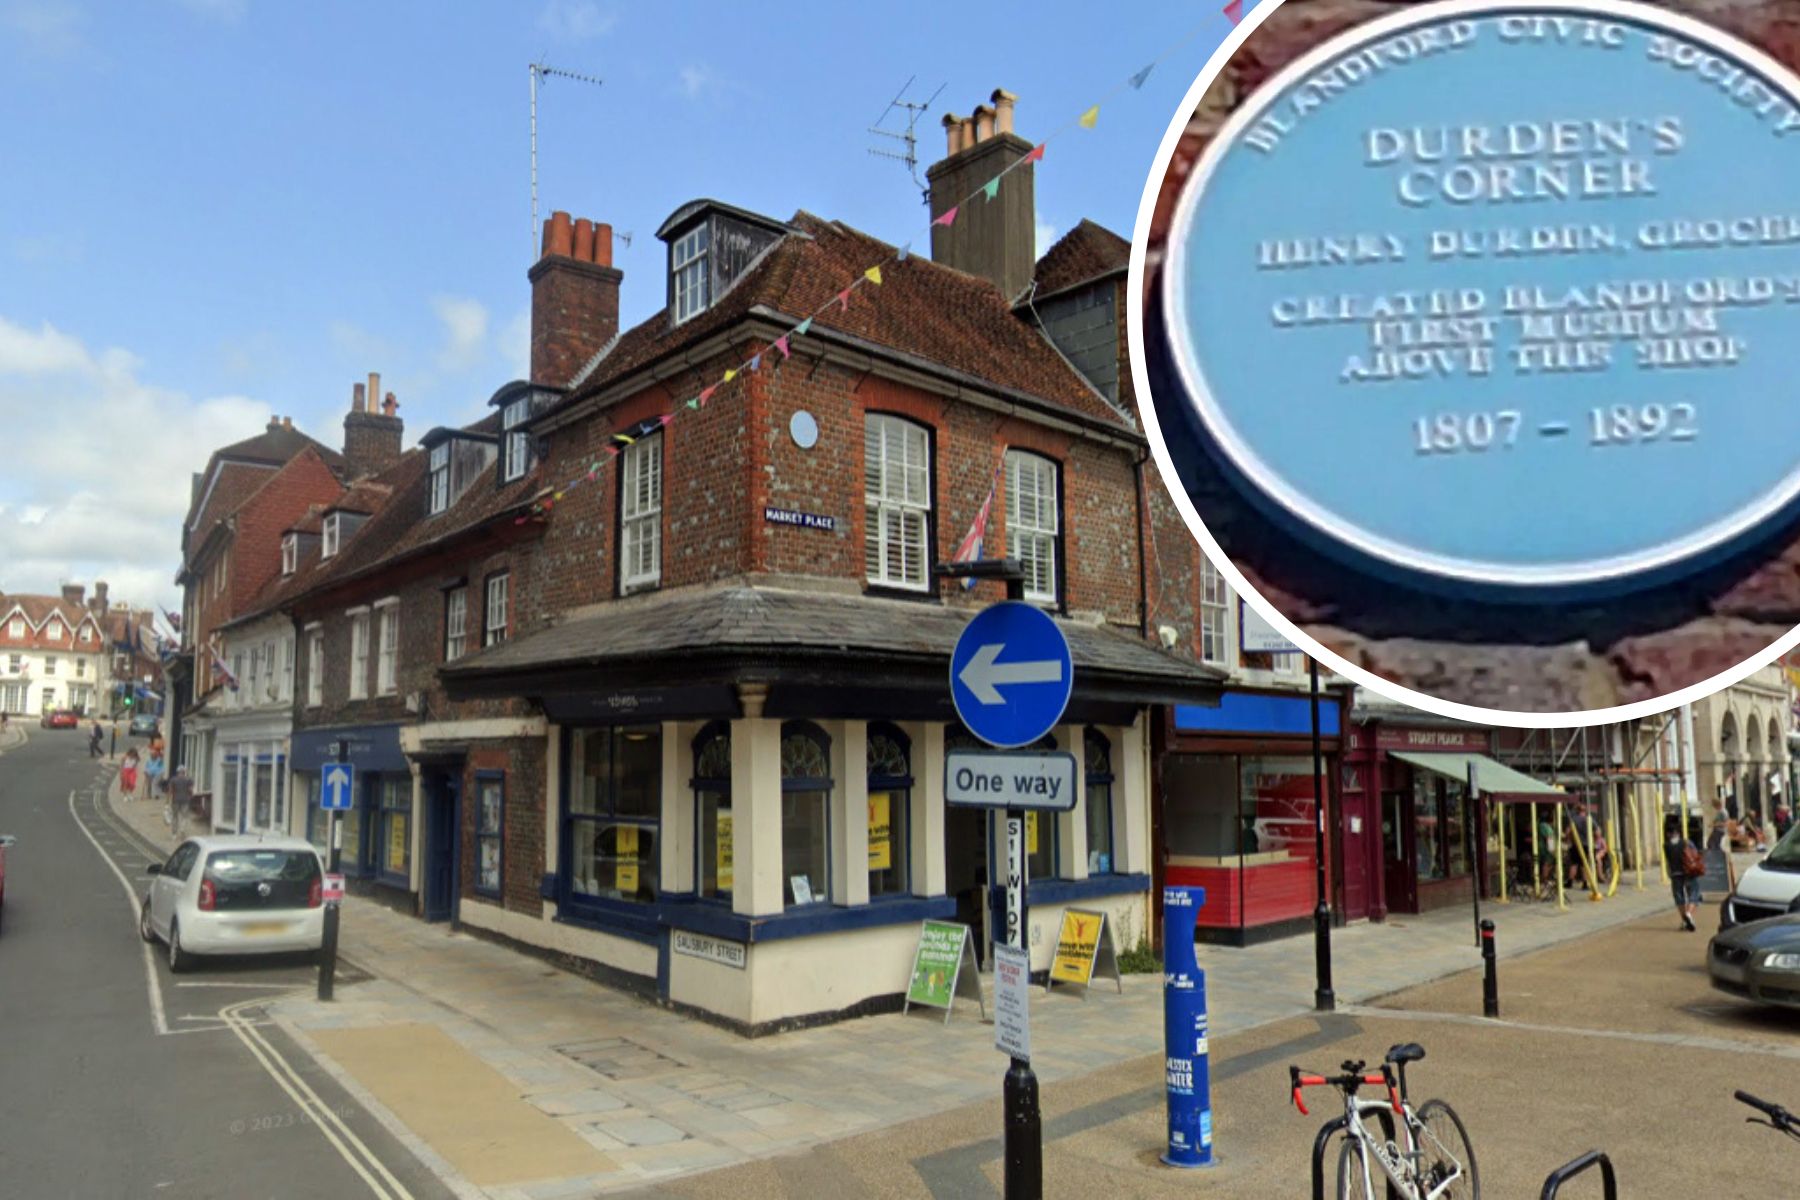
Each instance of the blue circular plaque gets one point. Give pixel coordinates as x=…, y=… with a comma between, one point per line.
x=803, y=429
x=1504, y=293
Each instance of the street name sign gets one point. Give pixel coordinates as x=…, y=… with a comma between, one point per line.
x=1011, y=674
x=1541, y=337
x=337, y=787
x=1037, y=779
x=1012, y=1001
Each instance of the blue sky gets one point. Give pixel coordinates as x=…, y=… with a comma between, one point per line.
x=215, y=210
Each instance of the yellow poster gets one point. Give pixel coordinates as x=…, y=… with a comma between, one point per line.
x=396, y=855
x=627, y=848
x=723, y=864
x=1076, y=945
x=1031, y=833
x=880, y=833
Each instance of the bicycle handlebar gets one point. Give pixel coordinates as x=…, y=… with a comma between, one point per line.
x=1774, y=1112
x=1347, y=1083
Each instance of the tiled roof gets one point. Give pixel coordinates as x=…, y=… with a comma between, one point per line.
x=759, y=619
x=275, y=446
x=1087, y=252
x=921, y=309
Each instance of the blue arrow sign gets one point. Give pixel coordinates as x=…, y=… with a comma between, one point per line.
x=338, y=787
x=1011, y=674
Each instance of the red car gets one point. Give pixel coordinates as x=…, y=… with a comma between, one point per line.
x=62, y=718
x=5, y=841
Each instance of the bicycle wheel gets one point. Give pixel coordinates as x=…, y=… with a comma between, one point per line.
x=1353, y=1181
x=1444, y=1147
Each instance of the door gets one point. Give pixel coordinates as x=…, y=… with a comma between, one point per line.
x=1358, y=838
x=442, y=800
x=1397, y=852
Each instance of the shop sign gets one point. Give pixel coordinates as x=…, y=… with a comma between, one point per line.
x=1012, y=1001
x=698, y=945
x=943, y=969
x=1573, y=297
x=1257, y=636
x=802, y=520
x=881, y=833
x=1084, y=946
x=1468, y=740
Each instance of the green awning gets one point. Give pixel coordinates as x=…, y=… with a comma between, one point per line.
x=1493, y=778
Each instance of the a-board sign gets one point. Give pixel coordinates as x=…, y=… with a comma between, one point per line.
x=1012, y=1001
x=1555, y=275
x=1084, y=948
x=1031, y=779
x=943, y=969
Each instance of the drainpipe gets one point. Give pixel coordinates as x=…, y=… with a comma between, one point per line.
x=1144, y=536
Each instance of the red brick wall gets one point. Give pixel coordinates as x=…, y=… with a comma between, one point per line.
x=522, y=765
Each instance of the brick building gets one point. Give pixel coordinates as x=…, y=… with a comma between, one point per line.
x=55, y=653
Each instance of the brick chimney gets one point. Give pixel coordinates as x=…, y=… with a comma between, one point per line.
x=574, y=298
x=98, y=603
x=371, y=439
x=996, y=239
x=74, y=593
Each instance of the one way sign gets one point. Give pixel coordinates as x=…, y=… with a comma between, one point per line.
x=1011, y=674
x=338, y=787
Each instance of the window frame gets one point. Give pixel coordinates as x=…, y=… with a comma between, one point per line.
x=822, y=893
x=387, y=646
x=1220, y=608
x=1014, y=461
x=647, y=522
x=401, y=785
x=714, y=785
x=456, y=622
x=515, y=441
x=315, y=664
x=606, y=813
x=330, y=535
x=290, y=553
x=1092, y=779
x=498, y=835
x=438, y=472
x=876, y=507
x=488, y=628
x=900, y=791
x=690, y=256
x=359, y=653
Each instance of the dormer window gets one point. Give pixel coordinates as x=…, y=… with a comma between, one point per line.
x=440, y=477
x=290, y=553
x=687, y=272
x=55, y=631
x=515, y=443
x=329, y=545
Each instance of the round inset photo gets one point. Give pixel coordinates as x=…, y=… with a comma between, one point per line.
x=1472, y=333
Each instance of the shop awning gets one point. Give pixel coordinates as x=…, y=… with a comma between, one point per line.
x=1496, y=780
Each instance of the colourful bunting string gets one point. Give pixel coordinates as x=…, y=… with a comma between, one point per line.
x=989, y=190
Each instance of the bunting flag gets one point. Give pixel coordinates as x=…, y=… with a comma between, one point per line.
x=173, y=620
x=990, y=190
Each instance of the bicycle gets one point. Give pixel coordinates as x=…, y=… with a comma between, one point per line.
x=1437, y=1161
x=1778, y=1118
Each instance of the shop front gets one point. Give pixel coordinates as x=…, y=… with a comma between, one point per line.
x=1238, y=813
x=378, y=830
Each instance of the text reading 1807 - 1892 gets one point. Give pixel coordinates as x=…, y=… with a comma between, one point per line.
x=1572, y=224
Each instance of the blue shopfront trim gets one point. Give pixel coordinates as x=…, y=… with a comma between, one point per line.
x=1064, y=891
x=1256, y=712
x=705, y=917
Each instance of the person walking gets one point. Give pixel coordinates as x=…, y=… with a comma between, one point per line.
x=181, y=796
x=153, y=773
x=1784, y=819
x=128, y=773
x=1687, y=866
x=94, y=740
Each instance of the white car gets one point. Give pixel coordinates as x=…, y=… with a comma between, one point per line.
x=235, y=894
x=1769, y=889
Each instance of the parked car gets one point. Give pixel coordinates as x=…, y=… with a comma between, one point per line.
x=5, y=841
x=143, y=725
x=235, y=894
x=1759, y=961
x=1769, y=889
x=60, y=718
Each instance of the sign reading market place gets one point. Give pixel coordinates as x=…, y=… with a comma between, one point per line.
x=1503, y=294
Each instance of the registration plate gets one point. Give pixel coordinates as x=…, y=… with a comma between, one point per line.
x=261, y=928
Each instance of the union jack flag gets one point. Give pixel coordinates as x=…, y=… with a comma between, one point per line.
x=969, y=549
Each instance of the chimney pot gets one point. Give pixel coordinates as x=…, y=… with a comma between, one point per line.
x=1003, y=102
x=584, y=240
x=356, y=397
x=984, y=122
x=602, y=245
x=559, y=236
x=952, y=134
x=966, y=132
x=374, y=392
x=389, y=405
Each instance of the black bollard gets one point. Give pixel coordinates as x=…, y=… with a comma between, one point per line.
x=1024, y=1135
x=1490, y=982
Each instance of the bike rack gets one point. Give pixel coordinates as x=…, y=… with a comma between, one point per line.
x=1552, y=1185
x=1336, y=1126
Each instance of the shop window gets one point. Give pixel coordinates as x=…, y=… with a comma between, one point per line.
x=712, y=810
x=1033, y=523
x=1040, y=835
x=1099, y=768
x=805, y=813
x=897, y=502
x=614, y=814
x=225, y=810
x=318, y=821
x=350, y=822
x=279, y=821
x=262, y=794
x=395, y=850
x=490, y=835
x=890, y=811
x=1279, y=839
x=1440, y=833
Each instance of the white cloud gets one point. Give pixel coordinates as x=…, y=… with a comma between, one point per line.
x=578, y=20
x=49, y=28
x=465, y=324
x=97, y=464
x=1046, y=237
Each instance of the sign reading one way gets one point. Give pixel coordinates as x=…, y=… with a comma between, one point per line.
x=1010, y=779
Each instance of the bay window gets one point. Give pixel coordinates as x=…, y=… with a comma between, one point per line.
x=1099, y=765
x=805, y=814
x=712, y=810
x=890, y=810
x=614, y=814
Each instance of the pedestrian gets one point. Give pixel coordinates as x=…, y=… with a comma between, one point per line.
x=181, y=795
x=128, y=772
x=94, y=740
x=1784, y=819
x=1687, y=866
x=1546, y=851
x=153, y=773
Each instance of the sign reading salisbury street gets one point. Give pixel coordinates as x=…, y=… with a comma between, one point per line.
x=1010, y=779
x=1543, y=331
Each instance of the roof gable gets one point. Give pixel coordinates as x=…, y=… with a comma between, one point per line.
x=1086, y=253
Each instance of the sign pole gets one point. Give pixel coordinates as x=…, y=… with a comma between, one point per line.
x=1477, y=851
x=1024, y=1126
x=1324, y=999
x=329, y=939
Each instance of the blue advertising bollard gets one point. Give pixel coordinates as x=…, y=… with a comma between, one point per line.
x=1184, y=1033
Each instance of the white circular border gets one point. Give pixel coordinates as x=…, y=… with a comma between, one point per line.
x=1159, y=450
x=1276, y=484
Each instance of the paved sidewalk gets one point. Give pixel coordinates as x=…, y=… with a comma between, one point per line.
x=659, y=1095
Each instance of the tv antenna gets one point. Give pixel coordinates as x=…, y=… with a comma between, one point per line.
x=545, y=73
x=910, y=138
